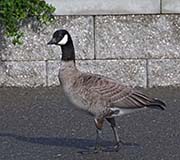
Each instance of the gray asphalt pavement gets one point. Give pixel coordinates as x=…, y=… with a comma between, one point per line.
x=40, y=124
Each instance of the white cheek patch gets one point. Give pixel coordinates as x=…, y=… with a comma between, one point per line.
x=64, y=40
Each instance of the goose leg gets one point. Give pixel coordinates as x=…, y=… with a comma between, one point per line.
x=99, y=124
x=114, y=128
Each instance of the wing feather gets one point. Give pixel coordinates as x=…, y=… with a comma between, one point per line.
x=118, y=95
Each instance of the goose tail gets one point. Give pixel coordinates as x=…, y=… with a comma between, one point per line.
x=157, y=104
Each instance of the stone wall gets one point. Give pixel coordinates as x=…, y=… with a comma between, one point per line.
x=138, y=50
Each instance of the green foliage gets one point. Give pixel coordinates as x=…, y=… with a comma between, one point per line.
x=14, y=12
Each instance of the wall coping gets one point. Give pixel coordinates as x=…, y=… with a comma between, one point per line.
x=114, y=7
x=105, y=7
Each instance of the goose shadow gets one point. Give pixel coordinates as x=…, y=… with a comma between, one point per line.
x=69, y=142
x=56, y=141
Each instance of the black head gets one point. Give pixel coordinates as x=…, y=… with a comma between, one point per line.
x=60, y=37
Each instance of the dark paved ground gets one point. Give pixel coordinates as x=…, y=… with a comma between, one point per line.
x=40, y=124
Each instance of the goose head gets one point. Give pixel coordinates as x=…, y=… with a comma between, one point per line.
x=62, y=38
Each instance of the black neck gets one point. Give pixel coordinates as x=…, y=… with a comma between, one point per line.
x=68, y=53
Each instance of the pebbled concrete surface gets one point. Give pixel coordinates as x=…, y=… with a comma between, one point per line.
x=137, y=36
x=41, y=124
x=23, y=73
x=35, y=48
x=163, y=72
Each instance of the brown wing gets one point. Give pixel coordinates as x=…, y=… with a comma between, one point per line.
x=119, y=95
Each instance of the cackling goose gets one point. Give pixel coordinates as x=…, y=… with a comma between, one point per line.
x=100, y=96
